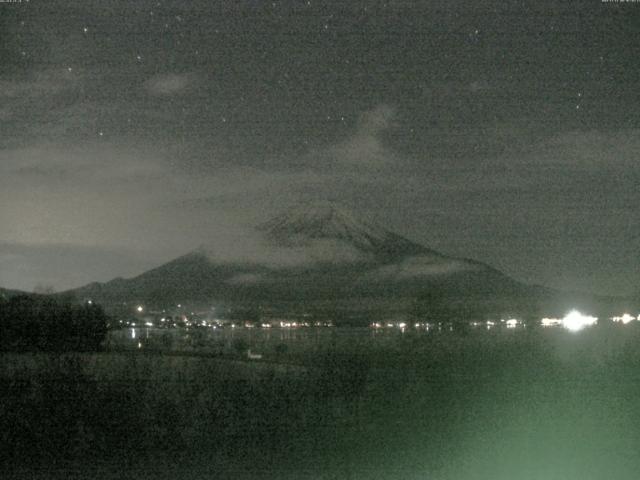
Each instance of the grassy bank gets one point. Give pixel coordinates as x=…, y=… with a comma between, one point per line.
x=524, y=405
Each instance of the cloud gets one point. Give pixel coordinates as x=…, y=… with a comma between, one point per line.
x=366, y=147
x=252, y=248
x=421, y=266
x=375, y=121
x=592, y=148
x=168, y=84
x=92, y=195
x=25, y=266
x=103, y=161
x=40, y=83
x=103, y=194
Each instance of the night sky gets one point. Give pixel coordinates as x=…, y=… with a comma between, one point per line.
x=507, y=132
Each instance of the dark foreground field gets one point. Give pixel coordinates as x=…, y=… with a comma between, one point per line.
x=485, y=405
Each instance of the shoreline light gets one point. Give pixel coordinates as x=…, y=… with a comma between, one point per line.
x=511, y=323
x=624, y=319
x=550, y=322
x=575, y=321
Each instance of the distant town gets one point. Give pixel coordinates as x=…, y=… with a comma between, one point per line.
x=177, y=318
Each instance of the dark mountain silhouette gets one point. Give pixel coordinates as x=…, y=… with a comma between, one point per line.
x=323, y=260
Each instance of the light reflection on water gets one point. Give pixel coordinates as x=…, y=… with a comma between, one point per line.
x=596, y=345
x=251, y=335
x=261, y=340
x=256, y=338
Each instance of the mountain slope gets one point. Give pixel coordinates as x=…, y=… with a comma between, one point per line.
x=327, y=221
x=320, y=258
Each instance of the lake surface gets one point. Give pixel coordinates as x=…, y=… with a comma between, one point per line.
x=598, y=342
x=267, y=340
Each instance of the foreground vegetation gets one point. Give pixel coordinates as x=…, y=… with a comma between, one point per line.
x=42, y=323
x=522, y=405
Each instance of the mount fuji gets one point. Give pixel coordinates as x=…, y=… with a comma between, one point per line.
x=322, y=260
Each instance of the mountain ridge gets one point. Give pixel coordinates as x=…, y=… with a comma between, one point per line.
x=324, y=259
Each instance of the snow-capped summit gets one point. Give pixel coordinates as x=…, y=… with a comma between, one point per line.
x=329, y=221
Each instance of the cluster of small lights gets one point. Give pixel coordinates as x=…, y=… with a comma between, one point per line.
x=400, y=325
x=550, y=322
x=294, y=324
x=625, y=318
x=573, y=321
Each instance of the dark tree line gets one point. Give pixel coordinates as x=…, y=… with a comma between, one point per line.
x=35, y=323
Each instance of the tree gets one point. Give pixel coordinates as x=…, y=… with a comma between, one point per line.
x=43, y=323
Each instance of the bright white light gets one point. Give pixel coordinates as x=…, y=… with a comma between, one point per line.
x=402, y=325
x=140, y=308
x=149, y=324
x=133, y=333
x=511, y=323
x=551, y=322
x=575, y=321
x=625, y=318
